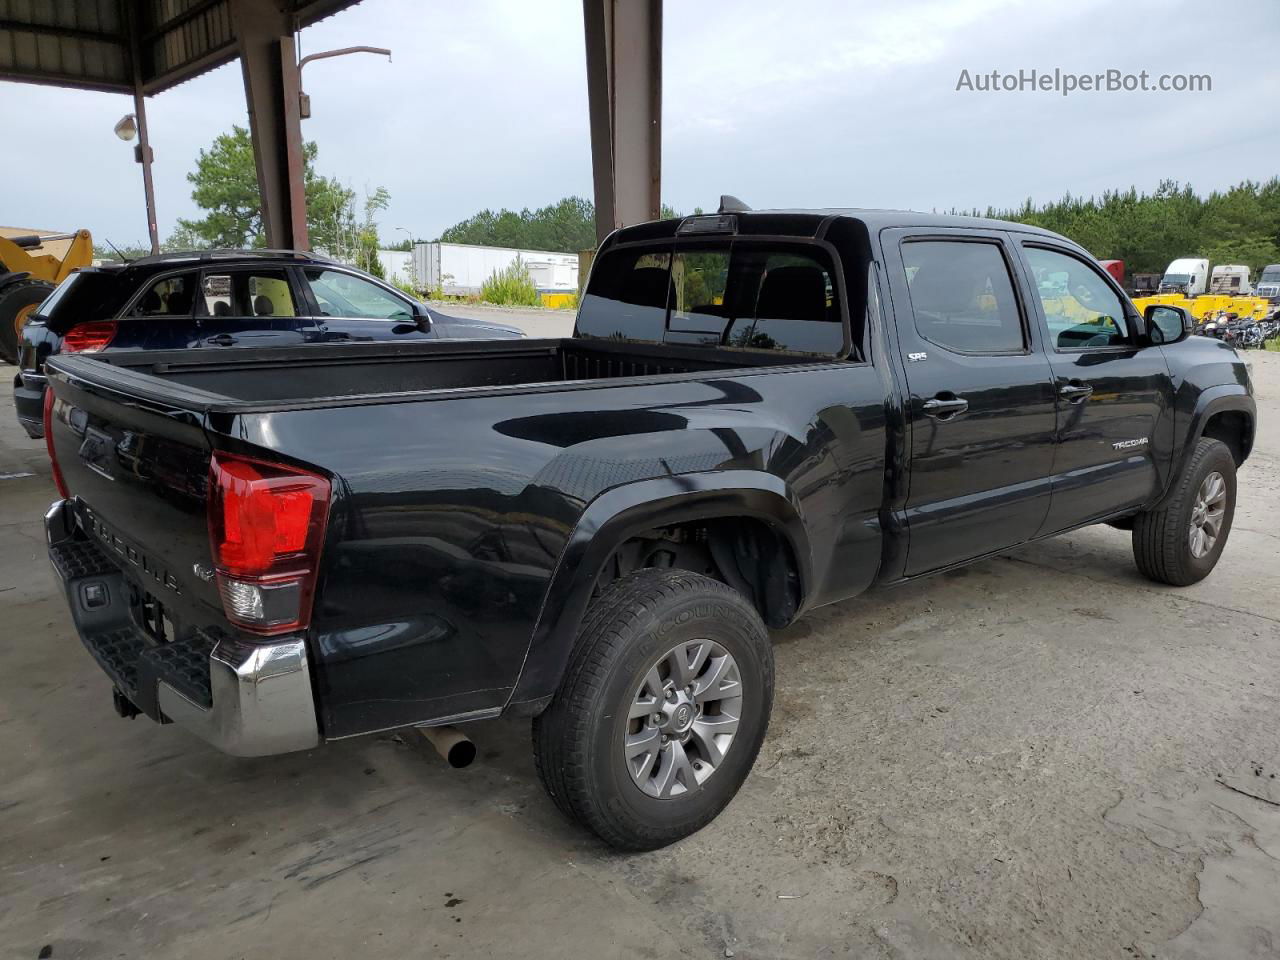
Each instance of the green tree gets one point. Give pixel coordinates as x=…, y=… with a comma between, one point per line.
x=1147, y=231
x=566, y=226
x=225, y=185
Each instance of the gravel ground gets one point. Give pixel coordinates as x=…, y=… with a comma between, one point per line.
x=1042, y=755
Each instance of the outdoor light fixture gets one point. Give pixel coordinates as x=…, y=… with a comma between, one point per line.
x=304, y=100
x=127, y=128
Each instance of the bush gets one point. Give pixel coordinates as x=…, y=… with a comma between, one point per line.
x=405, y=286
x=511, y=287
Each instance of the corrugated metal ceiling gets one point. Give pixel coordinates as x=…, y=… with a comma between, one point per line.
x=86, y=43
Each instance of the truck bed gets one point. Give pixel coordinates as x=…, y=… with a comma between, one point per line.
x=322, y=373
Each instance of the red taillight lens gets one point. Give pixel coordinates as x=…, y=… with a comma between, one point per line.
x=266, y=527
x=89, y=337
x=48, y=443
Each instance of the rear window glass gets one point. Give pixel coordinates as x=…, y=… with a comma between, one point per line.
x=739, y=294
x=169, y=297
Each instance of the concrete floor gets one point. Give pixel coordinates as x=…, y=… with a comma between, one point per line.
x=1039, y=756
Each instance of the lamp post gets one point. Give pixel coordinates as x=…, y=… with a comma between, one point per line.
x=135, y=125
x=304, y=100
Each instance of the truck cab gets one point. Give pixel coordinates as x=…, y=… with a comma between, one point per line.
x=1269, y=283
x=1186, y=275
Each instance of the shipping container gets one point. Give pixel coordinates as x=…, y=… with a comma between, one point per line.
x=459, y=269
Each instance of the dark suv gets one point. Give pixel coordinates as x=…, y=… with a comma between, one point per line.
x=221, y=299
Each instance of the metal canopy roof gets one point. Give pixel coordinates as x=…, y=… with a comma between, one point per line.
x=87, y=43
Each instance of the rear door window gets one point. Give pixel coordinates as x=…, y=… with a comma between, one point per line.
x=247, y=293
x=962, y=296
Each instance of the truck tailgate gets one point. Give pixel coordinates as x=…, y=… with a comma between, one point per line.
x=138, y=474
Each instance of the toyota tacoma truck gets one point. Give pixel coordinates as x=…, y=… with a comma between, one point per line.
x=758, y=413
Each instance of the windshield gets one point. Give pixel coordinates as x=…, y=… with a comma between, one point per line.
x=1270, y=274
x=1176, y=278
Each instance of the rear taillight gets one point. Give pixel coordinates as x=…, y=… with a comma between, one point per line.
x=266, y=526
x=89, y=337
x=48, y=442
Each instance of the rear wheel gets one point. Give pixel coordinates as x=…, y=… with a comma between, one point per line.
x=662, y=709
x=17, y=301
x=1180, y=543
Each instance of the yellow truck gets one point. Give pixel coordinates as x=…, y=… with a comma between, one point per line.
x=32, y=263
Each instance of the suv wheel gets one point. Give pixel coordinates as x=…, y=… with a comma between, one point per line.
x=1180, y=542
x=661, y=711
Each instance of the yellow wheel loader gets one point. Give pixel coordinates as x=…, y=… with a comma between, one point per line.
x=32, y=263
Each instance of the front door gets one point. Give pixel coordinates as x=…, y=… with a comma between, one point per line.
x=349, y=307
x=980, y=408
x=1115, y=400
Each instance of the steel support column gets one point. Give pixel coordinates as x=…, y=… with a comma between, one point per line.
x=268, y=59
x=624, y=100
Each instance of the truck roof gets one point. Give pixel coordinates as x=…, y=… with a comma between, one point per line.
x=807, y=222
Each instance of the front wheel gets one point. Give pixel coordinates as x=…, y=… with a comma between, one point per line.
x=1180, y=542
x=17, y=301
x=662, y=709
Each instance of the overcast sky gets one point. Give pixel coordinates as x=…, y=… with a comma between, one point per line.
x=800, y=103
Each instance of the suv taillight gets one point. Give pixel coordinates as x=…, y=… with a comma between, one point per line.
x=266, y=527
x=48, y=443
x=89, y=337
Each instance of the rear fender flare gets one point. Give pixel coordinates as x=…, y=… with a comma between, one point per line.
x=624, y=511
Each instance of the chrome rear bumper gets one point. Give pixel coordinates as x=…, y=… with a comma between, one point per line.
x=247, y=699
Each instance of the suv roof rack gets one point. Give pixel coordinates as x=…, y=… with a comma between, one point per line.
x=205, y=256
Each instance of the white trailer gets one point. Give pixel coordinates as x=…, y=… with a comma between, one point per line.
x=1231, y=279
x=397, y=265
x=459, y=269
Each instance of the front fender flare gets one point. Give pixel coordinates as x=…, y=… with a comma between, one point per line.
x=624, y=511
x=1214, y=400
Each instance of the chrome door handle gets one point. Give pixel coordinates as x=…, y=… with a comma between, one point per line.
x=222, y=339
x=944, y=408
x=1074, y=392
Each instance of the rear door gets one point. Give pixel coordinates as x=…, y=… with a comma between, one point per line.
x=250, y=307
x=980, y=403
x=1115, y=401
x=346, y=306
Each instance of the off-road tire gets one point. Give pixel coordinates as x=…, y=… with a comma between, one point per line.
x=13, y=297
x=1161, y=544
x=578, y=739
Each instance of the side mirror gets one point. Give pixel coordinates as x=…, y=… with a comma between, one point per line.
x=1166, y=324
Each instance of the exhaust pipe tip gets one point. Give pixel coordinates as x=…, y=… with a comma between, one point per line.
x=452, y=744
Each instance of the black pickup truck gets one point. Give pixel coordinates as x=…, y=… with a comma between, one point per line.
x=758, y=413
